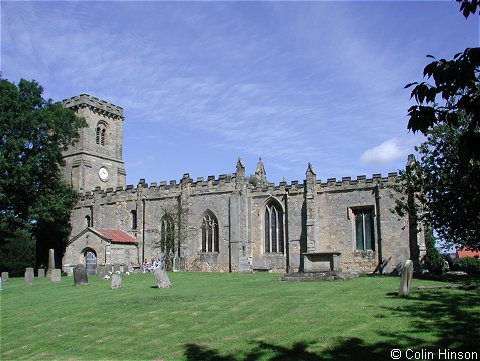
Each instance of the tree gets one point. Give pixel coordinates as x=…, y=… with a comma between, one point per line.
x=446, y=177
x=446, y=186
x=35, y=202
x=174, y=228
x=456, y=82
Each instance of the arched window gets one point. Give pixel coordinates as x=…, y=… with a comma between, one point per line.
x=90, y=261
x=273, y=219
x=88, y=221
x=100, y=137
x=209, y=233
x=167, y=235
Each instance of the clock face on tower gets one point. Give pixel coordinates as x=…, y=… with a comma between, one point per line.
x=103, y=174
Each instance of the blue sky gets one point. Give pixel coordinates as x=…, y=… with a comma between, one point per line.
x=203, y=83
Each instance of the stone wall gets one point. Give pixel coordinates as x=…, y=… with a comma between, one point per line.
x=242, y=237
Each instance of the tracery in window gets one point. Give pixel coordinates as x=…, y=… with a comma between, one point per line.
x=209, y=233
x=273, y=221
x=364, y=231
x=167, y=235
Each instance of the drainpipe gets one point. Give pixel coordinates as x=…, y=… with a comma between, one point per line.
x=285, y=226
x=379, y=229
x=143, y=229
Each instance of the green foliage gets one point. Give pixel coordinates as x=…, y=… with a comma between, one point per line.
x=446, y=188
x=470, y=265
x=18, y=252
x=457, y=83
x=443, y=186
x=433, y=260
x=454, y=91
x=35, y=202
x=468, y=7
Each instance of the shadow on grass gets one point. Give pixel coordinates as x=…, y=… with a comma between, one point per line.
x=436, y=320
x=346, y=350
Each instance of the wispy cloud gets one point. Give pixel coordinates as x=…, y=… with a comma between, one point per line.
x=293, y=82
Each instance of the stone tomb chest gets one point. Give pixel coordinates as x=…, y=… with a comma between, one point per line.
x=322, y=261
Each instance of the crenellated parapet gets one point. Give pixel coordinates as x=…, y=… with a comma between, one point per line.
x=361, y=181
x=227, y=182
x=96, y=105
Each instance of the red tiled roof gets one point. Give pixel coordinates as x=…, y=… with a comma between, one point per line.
x=117, y=236
x=465, y=252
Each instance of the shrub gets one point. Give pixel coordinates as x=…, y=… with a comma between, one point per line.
x=433, y=260
x=471, y=265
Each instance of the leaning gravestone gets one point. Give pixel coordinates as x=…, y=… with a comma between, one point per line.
x=116, y=281
x=406, y=280
x=161, y=278
x=5, y=277
x=56, y=275
x=29, y=276
x=41, y=273
x=80, y=275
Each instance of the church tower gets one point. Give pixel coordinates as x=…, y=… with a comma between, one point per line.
x=96, y=159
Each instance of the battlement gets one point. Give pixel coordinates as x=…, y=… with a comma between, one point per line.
x=97, y=105
x=361, y=180
x=211, y=184
x=228, y=182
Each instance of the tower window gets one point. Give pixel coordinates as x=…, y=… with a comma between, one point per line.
x=101, y=134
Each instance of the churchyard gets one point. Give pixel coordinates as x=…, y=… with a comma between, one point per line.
x=220, y=316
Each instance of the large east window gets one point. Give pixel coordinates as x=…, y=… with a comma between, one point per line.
x=273, y=219
x=364, y=231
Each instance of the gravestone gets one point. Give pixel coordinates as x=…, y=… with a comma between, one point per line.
x=56, y=275
x=406, y=280
x=244, y=265
x=80, y=275
x=101, y=271
x=1, y=289
x=29, y=276
x=161, y=278
x=41, y=273
x=51, y=261
x=116, y=281
x=5, y=277
x=176, y=264
x=116, y=268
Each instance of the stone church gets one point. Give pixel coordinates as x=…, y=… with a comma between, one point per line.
x=230, y=223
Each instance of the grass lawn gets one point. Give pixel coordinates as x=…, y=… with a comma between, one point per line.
x=217, y=317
